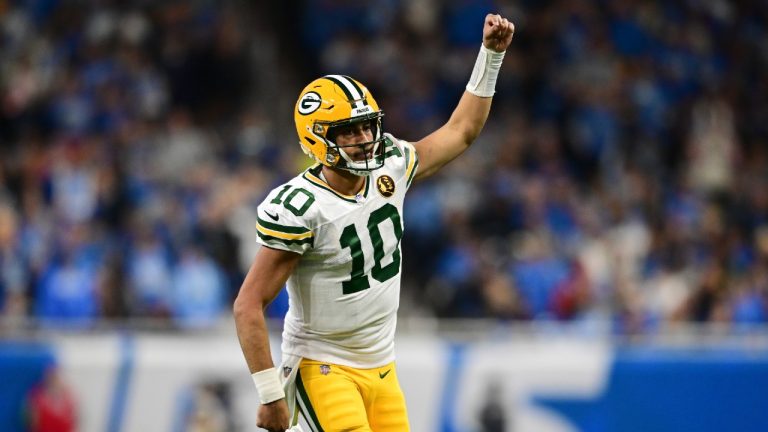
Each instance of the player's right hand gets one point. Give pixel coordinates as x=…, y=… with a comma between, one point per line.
x=274, y=416
x=497, y=32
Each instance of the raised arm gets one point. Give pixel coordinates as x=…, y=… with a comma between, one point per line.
x=266, y=277
x=468, y=119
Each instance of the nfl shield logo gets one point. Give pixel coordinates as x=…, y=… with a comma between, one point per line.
x=325, y=369
x=287, y=371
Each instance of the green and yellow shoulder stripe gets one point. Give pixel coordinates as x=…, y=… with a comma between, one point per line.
x=285, y=234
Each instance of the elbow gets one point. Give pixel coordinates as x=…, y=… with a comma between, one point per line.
x=467, y=130
x=238, y=309
x=470, y=138
x=243, y=308
x=471, y=132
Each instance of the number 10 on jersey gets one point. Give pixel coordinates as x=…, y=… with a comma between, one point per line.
x=350, y=239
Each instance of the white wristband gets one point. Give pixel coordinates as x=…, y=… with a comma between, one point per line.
x=268, y=385
x=483, y=80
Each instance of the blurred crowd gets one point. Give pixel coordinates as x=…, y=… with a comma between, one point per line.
x=127, y=142
x=622, y=176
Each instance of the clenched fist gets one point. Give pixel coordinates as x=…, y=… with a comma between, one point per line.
x=274, y=416
x=497, y=32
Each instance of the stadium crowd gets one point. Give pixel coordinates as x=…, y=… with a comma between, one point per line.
x=622, y=176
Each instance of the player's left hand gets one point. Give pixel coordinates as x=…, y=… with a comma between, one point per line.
x=497, y=32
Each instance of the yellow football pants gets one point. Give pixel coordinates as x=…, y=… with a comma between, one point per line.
x=336, y=398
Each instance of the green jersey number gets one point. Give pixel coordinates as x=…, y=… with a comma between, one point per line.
x=288, y=203
x=350, y=239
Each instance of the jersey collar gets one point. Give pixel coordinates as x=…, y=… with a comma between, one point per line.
x=312, y=175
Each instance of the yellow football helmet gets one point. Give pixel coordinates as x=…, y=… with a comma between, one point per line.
x=332, y=101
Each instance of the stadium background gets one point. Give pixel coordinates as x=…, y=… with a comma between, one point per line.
x=598, y=261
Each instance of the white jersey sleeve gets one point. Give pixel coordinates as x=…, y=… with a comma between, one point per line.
x=283, y=220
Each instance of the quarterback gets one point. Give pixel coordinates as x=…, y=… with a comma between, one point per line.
x=333, y=234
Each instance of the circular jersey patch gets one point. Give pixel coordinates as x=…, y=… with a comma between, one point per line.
x=309, y=103
x=385, y=185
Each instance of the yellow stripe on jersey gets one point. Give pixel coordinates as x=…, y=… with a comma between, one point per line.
x=411, y=160
x=311, y=177
x=282, y=235
x=319, y=182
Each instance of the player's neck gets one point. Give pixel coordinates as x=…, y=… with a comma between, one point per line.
x=342, y=181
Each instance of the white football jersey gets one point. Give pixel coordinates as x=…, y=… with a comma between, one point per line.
x=345, y=290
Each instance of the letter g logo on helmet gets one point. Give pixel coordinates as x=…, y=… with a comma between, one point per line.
x=309, y=103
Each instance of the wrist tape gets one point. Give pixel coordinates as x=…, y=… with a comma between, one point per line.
x=483, y=80
x=268, y=385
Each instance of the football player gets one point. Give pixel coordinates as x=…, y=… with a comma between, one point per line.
x=333, y=234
